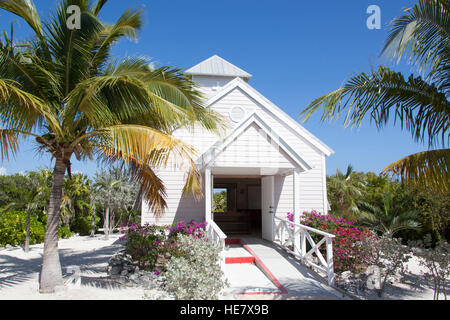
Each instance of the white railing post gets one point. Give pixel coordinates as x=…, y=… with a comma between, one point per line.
x=303, y=243
x=330, y=263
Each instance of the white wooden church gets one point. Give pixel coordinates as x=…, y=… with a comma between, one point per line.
x=266, y=165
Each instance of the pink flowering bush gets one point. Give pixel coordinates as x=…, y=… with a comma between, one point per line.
x=193, y=228
x=347, y=253
x=144, y=243
x=149, y=245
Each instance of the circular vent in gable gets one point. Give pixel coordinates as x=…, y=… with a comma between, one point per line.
x=237, y=114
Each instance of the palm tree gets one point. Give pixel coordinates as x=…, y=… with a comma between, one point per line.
x=344, y=190
x=61, y=89
x=114, y=192
x=388, y=218
x=420, y=105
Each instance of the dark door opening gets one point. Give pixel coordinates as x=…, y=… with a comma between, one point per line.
x=237, y=205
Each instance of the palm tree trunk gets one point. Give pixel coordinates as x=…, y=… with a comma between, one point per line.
x=27, y=233
x=93, y=222
x=106, y=226
x=51, y=274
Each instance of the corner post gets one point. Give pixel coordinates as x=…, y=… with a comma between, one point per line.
x=297, y=230
x=208, y=194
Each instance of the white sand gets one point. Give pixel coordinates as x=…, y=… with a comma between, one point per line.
x=413, y=286
x=19, y=271
x=19, y=274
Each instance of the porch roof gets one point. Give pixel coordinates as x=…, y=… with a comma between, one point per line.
x=208, y=158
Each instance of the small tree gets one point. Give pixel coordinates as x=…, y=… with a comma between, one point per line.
x=436, y=261
x=387, y=254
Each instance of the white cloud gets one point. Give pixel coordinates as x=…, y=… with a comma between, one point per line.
x=2, y=171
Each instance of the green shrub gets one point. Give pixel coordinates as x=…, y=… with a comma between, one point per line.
x=13, y=228
x=196, y=275
x=64, y=232
x=82, y=225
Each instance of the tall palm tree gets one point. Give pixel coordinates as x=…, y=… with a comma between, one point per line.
x=61, y=89
x=388, y=218
x=420, y=105
x=344, y=190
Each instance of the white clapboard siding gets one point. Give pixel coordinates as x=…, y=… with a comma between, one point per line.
x=178, y=207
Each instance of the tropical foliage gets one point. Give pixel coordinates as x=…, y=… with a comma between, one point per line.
x=61, y=88
x=30, y=193
x=115, y=193
x=420, y=105
x=343, y=191
x=386, y=205
x=388, y=219
x=220, y=201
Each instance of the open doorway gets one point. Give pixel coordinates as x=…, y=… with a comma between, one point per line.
x=237, y=205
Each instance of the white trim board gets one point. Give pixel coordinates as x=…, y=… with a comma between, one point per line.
x=279, y=113
x=206, y=158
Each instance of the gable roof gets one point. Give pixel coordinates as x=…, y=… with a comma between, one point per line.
x=215, y=150
x=217, y=66
x=271, y=107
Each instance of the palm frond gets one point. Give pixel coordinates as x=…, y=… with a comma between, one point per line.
x=98, y=6
x=152, y=187
x=9, y=143
x=27, y=11
x=100, y=43
x=420, y=107
x=69, y=47
x=429, y=169
x=20, y=109
x=424, y=32
x=130, y=92
x=144, y=149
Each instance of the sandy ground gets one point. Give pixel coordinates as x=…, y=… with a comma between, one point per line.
x=413, y=286
x=19, y=274
x=19, y=271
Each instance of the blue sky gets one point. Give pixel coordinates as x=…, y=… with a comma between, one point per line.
x=295, y=50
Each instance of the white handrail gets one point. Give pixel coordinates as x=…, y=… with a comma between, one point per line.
x=297, y=237
x=323, y=233
x=215, y=233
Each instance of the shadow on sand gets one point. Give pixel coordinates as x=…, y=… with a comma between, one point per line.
x=17, y=269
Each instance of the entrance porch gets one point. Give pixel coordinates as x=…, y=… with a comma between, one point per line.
x=246, y=200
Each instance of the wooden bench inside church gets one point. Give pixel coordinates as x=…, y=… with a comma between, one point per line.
x=234, y=222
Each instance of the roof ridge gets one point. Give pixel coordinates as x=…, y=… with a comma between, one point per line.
x=217, y=66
